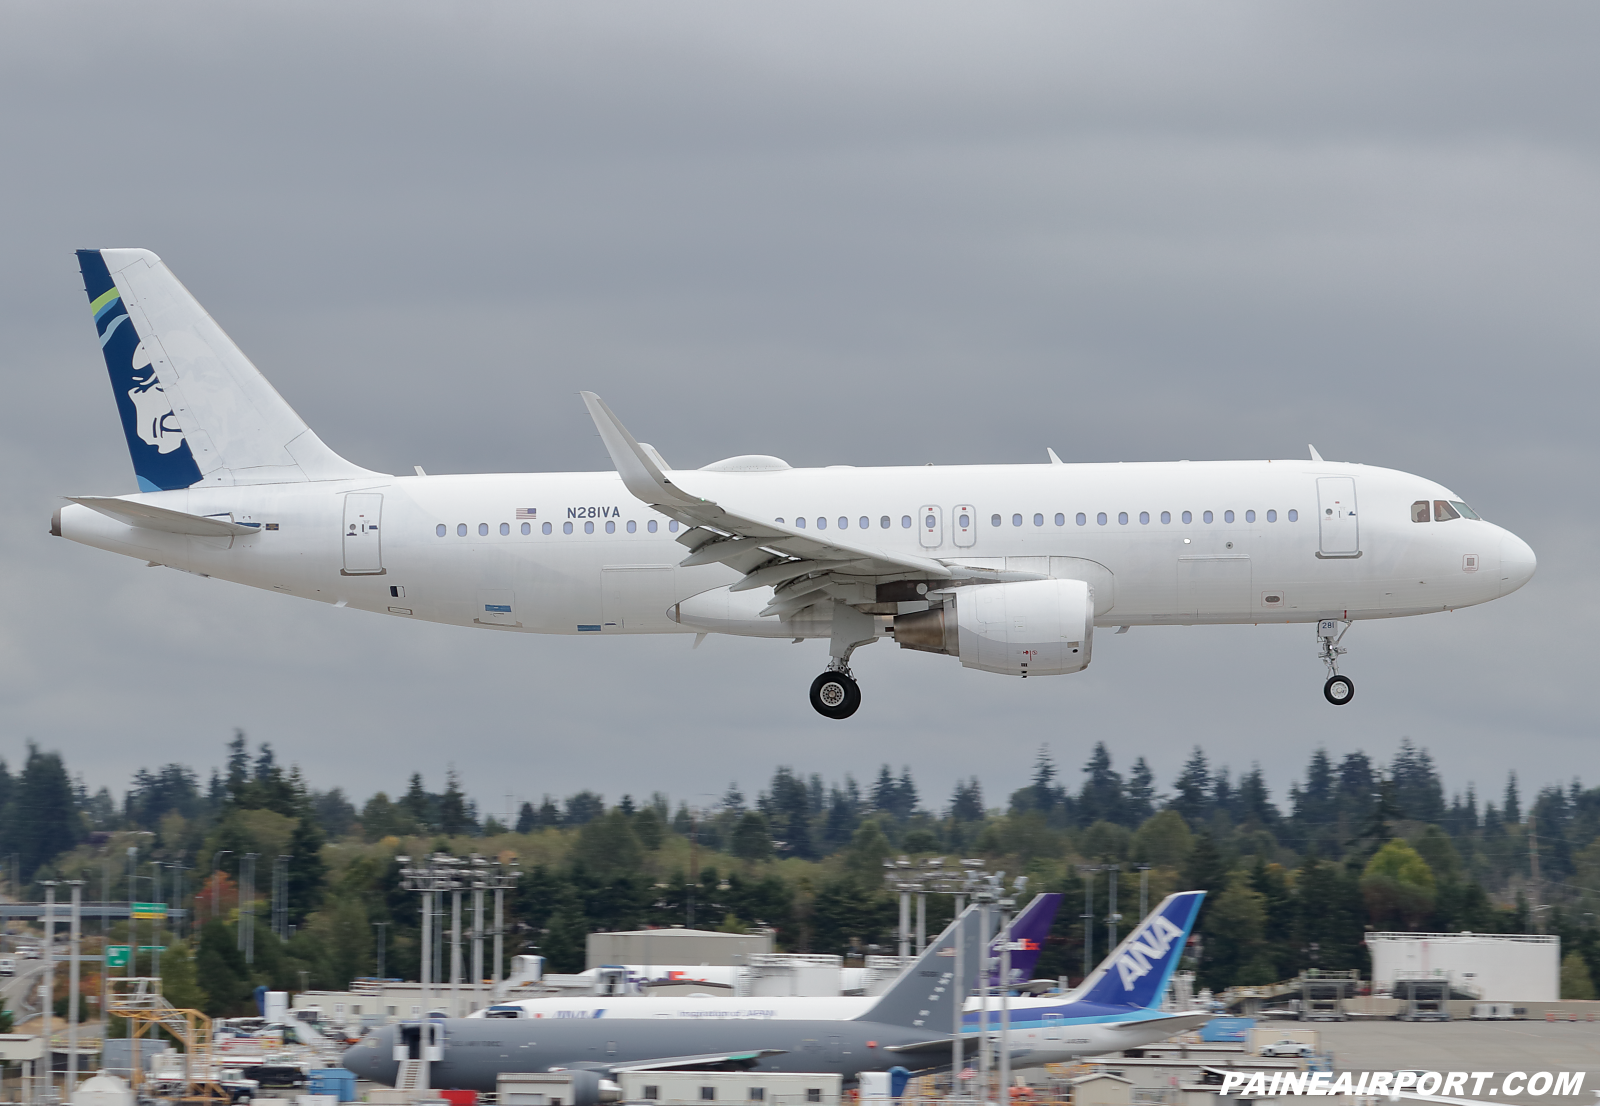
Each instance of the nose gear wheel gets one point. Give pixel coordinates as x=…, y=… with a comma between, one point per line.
x=1338, y=689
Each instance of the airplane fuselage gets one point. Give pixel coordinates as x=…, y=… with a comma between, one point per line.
x=575, y=553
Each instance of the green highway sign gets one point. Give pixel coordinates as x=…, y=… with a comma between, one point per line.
x=150, y=910
x=116, y=956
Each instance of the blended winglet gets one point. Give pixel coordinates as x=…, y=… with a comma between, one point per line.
x=640, y=473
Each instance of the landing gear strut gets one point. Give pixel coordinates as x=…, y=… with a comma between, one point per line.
x=1339, y=690
x=835, y=693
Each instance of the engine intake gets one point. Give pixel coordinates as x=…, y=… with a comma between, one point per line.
x=1034, y=628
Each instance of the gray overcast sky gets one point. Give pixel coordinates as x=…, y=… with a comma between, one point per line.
x=840, y=233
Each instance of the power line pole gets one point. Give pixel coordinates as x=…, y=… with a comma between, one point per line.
x=1088, y=871
x=383, y=947
x=74, y=947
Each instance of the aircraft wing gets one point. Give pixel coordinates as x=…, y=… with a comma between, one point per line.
x=705, y=1061
x=802, y=567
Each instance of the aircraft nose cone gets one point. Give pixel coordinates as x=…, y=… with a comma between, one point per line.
x=1517, y=563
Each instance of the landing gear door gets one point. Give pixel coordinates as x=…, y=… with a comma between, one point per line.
x=363, y=555
x=1336, y=514
x=964, y=525
x=930, y=528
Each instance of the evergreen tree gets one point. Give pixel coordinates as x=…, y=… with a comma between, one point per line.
x=1141, y=802
x=966, y=805
x=1102, y=798
x=417, y=803
x=1418, y=794
x=307, y=869
x=549, y=814
x=527, y=818
x=44, y=820
x=733, y=799
x=1204, y=869
x=454, y=818
x=751, y=841
x=1254, y=804
x=583, y=808
x=787, y=807
x=1193, y=789
x=220, y=971
x=1513, y=804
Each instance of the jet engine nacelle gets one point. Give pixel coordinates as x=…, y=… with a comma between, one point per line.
x=1034, y=628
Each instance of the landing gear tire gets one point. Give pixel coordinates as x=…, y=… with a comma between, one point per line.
x=835, y=695
x=1339, y=690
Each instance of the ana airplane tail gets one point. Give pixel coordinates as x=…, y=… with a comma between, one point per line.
x=193, y=407
x=1137, y=971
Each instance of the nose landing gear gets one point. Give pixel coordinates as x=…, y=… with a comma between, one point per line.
x=1338, y=690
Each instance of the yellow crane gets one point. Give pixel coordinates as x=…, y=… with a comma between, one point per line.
x=139, y=1000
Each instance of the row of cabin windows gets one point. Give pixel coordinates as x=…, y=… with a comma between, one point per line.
x=1102, y=518
x=566, y=528
x=652, y=1092
x=1443, y=510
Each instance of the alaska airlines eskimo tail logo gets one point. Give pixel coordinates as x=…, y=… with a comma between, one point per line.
x=161, y=455
x=1147, y=951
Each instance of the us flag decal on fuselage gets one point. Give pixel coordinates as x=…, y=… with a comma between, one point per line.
x=527, y=512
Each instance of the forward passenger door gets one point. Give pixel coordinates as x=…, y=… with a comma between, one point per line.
x=1336, y=515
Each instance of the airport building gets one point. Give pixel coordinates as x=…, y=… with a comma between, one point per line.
x=1506, y=967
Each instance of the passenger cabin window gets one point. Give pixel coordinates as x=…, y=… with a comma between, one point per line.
x=1061, y=519
x=1100, y=518
x=905, y=522
x=1016, y=520
x=483, y=529
x=822, y=523
x=1166, y=517
x=588, y=527
x=632, y=526
x=1294, y=516
x=505, y=528
x=963, y=520
x=1443, y=512
x=883, y=522
x=545, y=529
x=1082, y=518
x=651, y=526
x=566, y=527
x=611, y=526
x=1144, y=518
x=439, y=529
x=1227, y=516
x=1038, y=520
x=1188, y=517
x=1419, y=511
x=844, y=523
x=461, y=529
x=866, y=523
x=1207, y=517
x=1249, y=516
x=994, y=520
x=527, y=527
x=800, y=523
x=1122, y=518
x=1272, y=516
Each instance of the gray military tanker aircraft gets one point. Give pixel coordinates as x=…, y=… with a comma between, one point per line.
x=912, y=1025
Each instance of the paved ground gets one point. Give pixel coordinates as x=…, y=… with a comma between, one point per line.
x=1500, y=1047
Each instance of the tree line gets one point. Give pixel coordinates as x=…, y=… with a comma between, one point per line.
x=1356, y=846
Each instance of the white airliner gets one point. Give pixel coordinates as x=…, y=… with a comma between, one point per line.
x=1008, y=567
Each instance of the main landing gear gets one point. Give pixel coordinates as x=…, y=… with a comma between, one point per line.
x=835, y=693
x=1339, y=690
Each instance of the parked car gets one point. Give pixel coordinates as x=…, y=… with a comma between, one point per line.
x=1287, y=1047
x=8, y=965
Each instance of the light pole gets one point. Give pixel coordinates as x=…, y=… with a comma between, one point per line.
x=74, y=947
x=383, y=947
x=435, y=874
x=1019, y=886
x=1112, y=917
x=1144, y=891
x=1088, y=870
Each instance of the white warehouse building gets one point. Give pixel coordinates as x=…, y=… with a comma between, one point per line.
x=1509, y=967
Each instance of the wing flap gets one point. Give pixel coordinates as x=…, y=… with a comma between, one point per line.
x=164, y=519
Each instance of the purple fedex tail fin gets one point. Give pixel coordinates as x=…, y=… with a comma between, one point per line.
x=1027, y=933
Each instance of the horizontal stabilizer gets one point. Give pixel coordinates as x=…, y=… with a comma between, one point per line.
x=164, y=519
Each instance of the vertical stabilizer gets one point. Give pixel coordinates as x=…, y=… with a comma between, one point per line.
x=1027, y=933
x=1137, y=971
x=193, y=407
x=925, y=995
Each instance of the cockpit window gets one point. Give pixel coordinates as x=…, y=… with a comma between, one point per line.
x=1443, y=512
x=1466, y=512
x=1419, y=511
